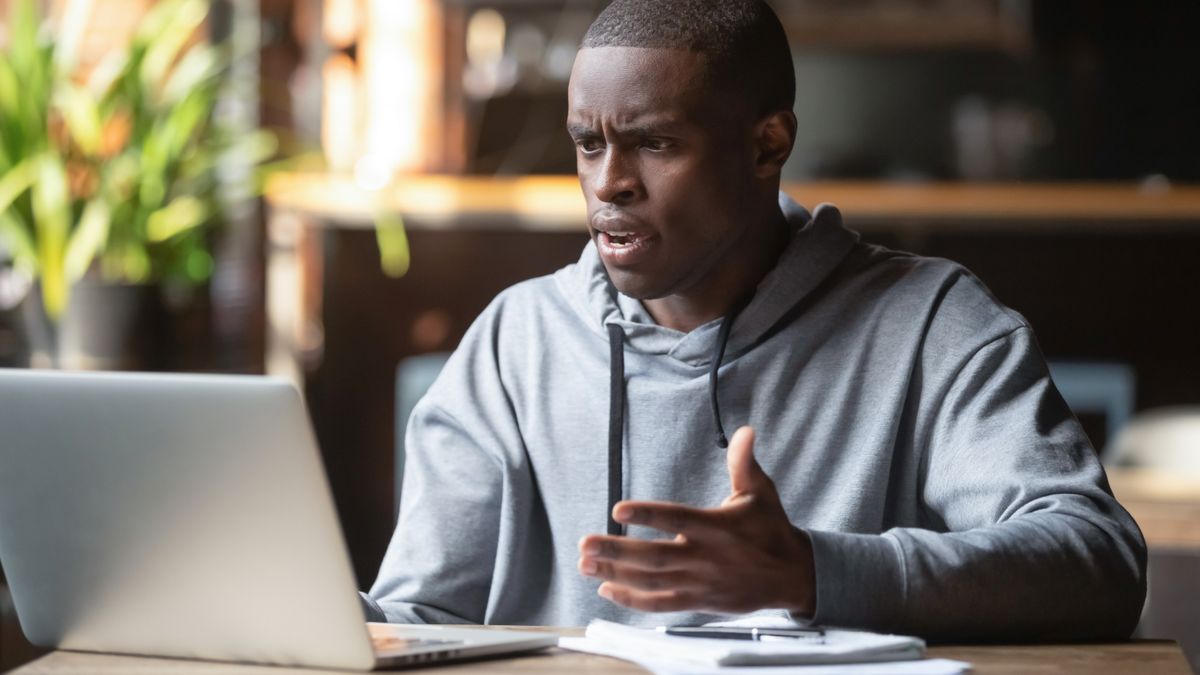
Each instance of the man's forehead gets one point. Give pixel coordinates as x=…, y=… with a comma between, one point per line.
x=636, y=85
x=648, y=118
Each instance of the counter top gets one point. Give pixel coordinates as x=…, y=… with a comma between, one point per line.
x=554, y=203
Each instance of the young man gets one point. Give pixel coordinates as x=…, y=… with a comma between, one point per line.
x=911, y=467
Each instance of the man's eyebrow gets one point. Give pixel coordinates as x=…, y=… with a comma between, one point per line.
x=580, y=131
x=640, y=130
x=648, y=129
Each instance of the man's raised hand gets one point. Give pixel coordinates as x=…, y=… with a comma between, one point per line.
x=739, y=557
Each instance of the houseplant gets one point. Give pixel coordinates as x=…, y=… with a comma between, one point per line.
x=110, y=183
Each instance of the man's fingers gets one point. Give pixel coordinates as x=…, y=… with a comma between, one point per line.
x=648, y=601
x=665, y=516
x=646, y=555
x=639, y=578
x=745, y=475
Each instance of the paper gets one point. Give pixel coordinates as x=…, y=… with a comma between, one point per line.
x=839, y=646
x=664, y=667
x=774, y=620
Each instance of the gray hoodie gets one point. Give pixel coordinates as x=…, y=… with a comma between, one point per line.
x=907, y=419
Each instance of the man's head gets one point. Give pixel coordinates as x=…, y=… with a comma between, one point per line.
x=681, y=114
x=746, y=53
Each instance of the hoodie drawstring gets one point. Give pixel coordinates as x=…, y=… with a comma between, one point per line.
x=717, y=357
x=616, y=422
x=616, y=407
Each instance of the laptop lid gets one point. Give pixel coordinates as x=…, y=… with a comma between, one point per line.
x=173, y=515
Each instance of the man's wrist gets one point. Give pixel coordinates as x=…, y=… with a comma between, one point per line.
x=801, y=593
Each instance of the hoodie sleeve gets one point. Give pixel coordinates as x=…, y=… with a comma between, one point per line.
x=462, y=456
x=1025, y=540
x=438, y=566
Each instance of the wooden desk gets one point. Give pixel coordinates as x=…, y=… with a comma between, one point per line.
x=1144, y=657
x=1165, y=505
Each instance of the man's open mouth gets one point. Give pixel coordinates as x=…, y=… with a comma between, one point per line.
x=625, y=247
x=621, y=239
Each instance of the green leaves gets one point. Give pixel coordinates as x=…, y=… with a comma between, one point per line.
x=121, y=170
x=23, y=35
x=26, y=77
x=87, y=240
x=165, y=31
x=392, y=239
x=16, y=181
x=16, y=234
x=52, y=213
x=81, y=113
x=35, y=201
x=10, y=89
x=181, y=215
x=199, y=67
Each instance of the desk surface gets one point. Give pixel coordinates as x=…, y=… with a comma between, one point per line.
x=1149, y=657
x=1165, y=505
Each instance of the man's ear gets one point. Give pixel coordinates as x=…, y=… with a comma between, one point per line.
x=774, y=136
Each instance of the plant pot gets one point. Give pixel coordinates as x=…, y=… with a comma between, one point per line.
x=39, y=332
x=106, y=326
x=113, y=327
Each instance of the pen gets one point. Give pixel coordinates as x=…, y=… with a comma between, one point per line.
x=739, y=633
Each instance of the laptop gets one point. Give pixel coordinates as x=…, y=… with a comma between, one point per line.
x=188, y=516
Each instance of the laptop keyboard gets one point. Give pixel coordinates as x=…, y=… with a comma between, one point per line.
x=388, y=643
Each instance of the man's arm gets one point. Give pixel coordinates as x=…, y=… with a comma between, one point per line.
x=463, y=453
x=1037, y=546
x=439, y=565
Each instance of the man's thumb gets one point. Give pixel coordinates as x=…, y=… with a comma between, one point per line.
x=745, y=475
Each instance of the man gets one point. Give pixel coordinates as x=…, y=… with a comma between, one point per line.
x=911, y=467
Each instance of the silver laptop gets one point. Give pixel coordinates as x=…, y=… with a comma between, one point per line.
x=188, y=516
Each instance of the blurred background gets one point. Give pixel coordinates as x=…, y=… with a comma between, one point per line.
x=331, y=190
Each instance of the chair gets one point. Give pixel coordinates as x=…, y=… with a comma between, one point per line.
x=1106, y=388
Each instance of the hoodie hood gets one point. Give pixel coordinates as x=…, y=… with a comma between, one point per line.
x=818, y=245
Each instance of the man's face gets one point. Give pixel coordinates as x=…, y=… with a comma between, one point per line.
x=663, y=167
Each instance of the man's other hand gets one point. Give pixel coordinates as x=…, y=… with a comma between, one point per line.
x=739, y=557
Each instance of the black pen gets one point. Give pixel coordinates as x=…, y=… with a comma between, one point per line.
x=739, y=633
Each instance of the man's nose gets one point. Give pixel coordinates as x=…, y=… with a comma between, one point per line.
x=617, y=180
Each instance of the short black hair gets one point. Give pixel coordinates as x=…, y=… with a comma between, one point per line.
x=742, y=41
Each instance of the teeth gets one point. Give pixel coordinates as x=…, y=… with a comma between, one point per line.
x=623, y=239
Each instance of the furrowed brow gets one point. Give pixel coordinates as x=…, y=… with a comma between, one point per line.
x=653, y=126
x=581, y=131
x=646, y=130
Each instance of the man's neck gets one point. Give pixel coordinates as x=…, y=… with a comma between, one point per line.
x=732, y=282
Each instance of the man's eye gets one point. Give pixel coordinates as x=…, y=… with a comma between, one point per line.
x=656, y=144
x=588, y=145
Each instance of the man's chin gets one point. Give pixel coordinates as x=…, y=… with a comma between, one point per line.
x=637, y=286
